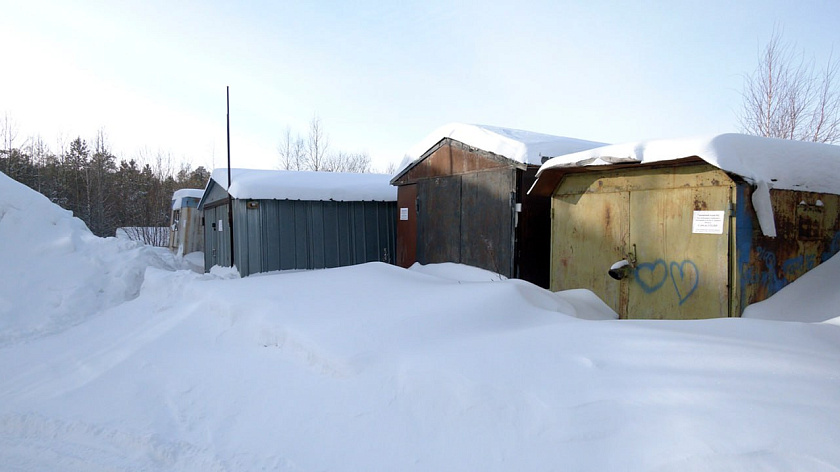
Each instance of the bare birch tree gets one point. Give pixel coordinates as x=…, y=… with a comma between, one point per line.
x=311, y=153
x=391, y=168
x=8, y=135
x=316, y=145
x=348, y=162
x=292, y=151
x=786, y=98
x=825, y=120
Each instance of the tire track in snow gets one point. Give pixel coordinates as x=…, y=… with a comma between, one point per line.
x=297, y=349
x=33, y=442
x=104, y=349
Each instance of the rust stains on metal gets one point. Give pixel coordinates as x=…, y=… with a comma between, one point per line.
x=451, y=157
x=807, y=234
x=473, y=208
x=406, y=225
x=644, y=215
x=682, y=270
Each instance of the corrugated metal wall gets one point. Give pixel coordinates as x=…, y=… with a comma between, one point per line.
x=287, y=234
x=216, y=242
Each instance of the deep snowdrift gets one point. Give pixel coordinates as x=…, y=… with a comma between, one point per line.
x=56, y=273
x=374, y=367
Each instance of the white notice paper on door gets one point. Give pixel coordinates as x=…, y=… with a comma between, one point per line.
x=707, y=222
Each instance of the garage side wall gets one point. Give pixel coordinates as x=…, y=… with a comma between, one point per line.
x=807, y=234
x=290, y=234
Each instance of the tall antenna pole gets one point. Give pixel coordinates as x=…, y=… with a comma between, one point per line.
x=230, y=199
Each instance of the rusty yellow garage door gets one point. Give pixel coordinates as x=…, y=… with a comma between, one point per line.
x=676, y=239
x=589, y=235
x=682, y=254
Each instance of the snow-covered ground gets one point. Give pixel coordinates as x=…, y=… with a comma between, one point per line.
x=113, y=359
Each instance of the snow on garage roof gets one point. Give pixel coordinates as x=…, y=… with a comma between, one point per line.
x=782, y=163
x=305, y=185
x=767, y=163
x=183, y=193
x=526, y=147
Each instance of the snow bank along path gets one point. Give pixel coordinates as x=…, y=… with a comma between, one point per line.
x=374, y=367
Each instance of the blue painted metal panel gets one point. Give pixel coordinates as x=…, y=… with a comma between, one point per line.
x=808, y=233
x=743, y=239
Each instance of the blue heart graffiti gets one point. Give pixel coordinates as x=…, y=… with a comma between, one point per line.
x=647, y=277
x=681, y=268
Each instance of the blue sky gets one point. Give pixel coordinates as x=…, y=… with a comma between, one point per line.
x=382, y=75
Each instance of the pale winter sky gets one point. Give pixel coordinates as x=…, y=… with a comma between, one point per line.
x=382, y=75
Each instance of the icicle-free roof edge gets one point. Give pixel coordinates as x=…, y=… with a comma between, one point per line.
x=305, y=185
x=179, y=195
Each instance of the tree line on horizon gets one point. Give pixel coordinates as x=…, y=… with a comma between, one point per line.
x=108, y=193
x=104, y=192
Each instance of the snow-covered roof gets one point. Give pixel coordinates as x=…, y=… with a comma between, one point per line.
x=304, y=185
x=781, y=163
x=767, y=163
x=526, y=147
x=183, y=193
